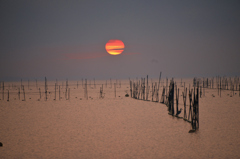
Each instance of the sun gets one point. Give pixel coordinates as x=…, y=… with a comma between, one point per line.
x=114, y=47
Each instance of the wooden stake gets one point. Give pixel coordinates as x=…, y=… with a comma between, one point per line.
x=115, y=89
x=8, y=96
x=3, y=91
x=40, y=93
x=59, y=93
x=55, y=92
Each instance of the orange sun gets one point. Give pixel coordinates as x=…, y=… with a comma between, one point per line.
x=114, y=47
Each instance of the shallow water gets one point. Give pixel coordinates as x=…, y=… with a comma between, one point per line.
x=114, y=127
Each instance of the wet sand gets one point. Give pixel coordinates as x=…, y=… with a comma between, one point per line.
x=120, y=127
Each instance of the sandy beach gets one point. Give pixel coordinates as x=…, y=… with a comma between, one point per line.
x=120, y=127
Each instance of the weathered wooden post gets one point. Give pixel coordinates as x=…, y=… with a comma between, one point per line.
x=86, y=93
x=162, y=100
x=177, y=97
x=184, y=102
x=68, y=93
x=19, y=93
x=55, y=92
x=8, y=96
x=40, y=93
x=115, y=89
x=152, y=92
x=195, y=116
x=59, y=93
x=171, y=98
x=3, y=90
x=46, y=88
x=130, y=87
x=190, y=106
x=159, y=86
x=23, y=93
x=220, y=86
x=147, y=89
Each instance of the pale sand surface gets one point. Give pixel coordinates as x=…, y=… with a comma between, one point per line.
x=118, y=127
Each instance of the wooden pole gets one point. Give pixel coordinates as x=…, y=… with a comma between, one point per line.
x=23, y=93
x=40, y=93
x=115, y=89
x=55, y=92
x=8, y=96
x=68, y=93
x=3, y=91
x=147, y=89
x=159, y=86
x=220, y=86
x=45, y=88
x=59, y=93
x=19, y=93
x=86, y=89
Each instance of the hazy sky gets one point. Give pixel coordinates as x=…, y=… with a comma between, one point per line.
x=66, y=39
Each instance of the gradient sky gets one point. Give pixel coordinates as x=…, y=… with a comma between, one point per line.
x=66, y=39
